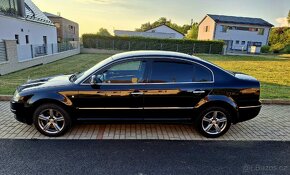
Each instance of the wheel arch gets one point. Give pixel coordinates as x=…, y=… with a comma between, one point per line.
x=224, y=102
x=39, y=99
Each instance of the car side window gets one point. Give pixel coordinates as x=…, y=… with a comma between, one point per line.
x=173, y=72
x=126, y=72
x=167, y=72
x=201, y=74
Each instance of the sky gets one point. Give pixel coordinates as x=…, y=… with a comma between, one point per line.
x=130, y=14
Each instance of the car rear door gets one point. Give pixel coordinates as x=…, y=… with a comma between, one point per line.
x=175, y=87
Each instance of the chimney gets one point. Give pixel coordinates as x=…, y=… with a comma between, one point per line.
x=21, y=8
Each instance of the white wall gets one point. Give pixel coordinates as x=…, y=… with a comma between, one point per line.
x=162, y=32
x=11, y=26
x=12, y=64
x=165, y=29
x=241, y=35
x=144, y=34
x=202, y=34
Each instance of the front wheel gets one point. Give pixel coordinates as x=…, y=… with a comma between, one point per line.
x=51, y=120
x=213, y=122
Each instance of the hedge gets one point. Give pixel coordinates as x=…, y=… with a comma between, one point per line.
x=140, y=43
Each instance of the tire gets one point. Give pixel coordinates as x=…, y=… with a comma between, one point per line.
x=213, y=122
x=51, y=120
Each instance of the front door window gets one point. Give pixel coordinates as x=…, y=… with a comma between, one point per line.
x=126, y=72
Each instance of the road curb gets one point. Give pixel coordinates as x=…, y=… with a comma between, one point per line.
x=276, y=102
x=5, y=97
x=264, y=101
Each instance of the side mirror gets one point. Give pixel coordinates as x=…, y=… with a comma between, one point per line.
x=93, y=80
x=96, y=79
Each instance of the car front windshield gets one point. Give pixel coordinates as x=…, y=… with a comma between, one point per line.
x=80, y=77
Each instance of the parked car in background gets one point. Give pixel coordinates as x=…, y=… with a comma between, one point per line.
x=141, y=85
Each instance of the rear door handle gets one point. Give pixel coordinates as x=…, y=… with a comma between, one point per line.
x=198, y=92
x=137, y=93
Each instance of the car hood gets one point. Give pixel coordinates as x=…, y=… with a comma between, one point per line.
x=54, y=81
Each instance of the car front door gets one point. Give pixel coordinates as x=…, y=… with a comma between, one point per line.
x=175, y=87
x=117, y=94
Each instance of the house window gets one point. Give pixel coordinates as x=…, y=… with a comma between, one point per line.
x=243, y=42
x=232, y=28
x=237, y=42
x=224, y=28
x=45, y=40
x=243, y=28
x=257, y=44
x=27, y=39
x=253, y=29
x=261, y=31
x=206, y=28
x=17, y=39
x=71, y=27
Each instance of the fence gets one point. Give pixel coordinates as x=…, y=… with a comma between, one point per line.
x=20, y=56
x=28, y=52
x=127, y=44
x=3, y=56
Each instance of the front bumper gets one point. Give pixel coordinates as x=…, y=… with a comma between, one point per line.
x=248, y=112
x=22, y=114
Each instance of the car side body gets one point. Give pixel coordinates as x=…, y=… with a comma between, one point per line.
x=119, y=94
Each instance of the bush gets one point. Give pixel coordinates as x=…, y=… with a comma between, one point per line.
x=140, y=43
x=276, y=48
x=265, y=49
x=286, y=49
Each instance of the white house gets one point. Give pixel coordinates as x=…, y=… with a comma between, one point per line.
x=163, y=32
x=35, y=34
x=239, y=33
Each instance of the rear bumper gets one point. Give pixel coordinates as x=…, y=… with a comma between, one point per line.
x=248, y=112
x=22, y=114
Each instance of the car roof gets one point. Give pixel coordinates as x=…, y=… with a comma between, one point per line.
x=153, y=53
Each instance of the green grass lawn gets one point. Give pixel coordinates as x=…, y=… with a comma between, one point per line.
x=272, y=71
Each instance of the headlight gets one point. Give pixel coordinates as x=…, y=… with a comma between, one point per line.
x=16, y=96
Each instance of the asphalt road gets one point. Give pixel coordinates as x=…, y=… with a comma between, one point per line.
x=143, y=157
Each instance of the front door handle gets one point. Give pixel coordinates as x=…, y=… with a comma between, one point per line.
x=137, y=93
x=198, y=92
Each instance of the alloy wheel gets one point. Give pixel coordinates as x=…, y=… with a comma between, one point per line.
x=51, y=121
x=214, y=122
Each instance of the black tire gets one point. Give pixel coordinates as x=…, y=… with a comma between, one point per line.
x=206, y=120
x=43, y=119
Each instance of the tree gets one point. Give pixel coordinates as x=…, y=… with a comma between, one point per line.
x=147, y=26
x=279, y=38
x=288, y=18
x=103, y=32
x=193, y=32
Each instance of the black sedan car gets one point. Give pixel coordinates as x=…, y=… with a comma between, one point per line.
x=142, y=85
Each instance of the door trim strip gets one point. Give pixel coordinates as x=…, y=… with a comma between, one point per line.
x=106, y=108
x=245, y=107
x=135, y=108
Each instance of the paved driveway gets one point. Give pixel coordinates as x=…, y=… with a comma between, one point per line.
x=273, y=123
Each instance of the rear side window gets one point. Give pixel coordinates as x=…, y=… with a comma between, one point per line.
x=201, y=74
x=173, y=72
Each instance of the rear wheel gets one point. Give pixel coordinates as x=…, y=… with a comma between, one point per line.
x=51, y=120
x=213, y=122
